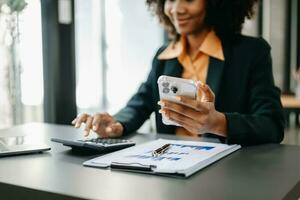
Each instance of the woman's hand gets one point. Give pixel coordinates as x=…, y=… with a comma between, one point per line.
x=101, y=123
x=197, y=116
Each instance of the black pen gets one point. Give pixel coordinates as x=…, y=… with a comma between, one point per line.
x=161, y=150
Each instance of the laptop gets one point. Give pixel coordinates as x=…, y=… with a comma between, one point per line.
x=16, y=144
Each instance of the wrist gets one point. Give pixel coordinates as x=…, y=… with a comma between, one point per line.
x=220, y=125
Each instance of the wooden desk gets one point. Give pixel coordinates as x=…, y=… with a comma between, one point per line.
x=258, y=172
x=291, y=104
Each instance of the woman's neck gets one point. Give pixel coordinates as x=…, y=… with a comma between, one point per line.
x=194, y=41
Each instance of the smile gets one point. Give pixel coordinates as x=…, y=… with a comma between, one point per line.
x=183, y=21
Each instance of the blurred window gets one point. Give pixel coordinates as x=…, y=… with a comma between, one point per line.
x=31, y=58
x=21, y=89
x=126, y=45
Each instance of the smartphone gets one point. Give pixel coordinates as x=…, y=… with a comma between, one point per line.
x=169, y=87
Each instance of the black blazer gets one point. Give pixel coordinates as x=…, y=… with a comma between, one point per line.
x=243, y=85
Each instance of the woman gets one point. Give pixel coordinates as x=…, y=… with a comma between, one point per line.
x=238, y=102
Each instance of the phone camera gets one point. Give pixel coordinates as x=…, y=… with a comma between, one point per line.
x=174, y=89
x=165, y=84
x=166, y=90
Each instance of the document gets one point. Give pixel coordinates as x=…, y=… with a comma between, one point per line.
x=182, y=158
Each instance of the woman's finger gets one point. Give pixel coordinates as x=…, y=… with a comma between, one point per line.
x=188, y=102
x=191, y=129
x=74, y=121
x=101, y=120
x=181, y=118
x=204, y=93
x=114, y=130
x=88, y=125
x=81, y=119
x=189, y=124
x=187, y=111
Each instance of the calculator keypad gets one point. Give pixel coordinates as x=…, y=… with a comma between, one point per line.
x=106, y=141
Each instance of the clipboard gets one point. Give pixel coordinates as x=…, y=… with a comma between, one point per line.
x=182, y=159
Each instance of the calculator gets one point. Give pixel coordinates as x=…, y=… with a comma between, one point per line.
x=96, y=144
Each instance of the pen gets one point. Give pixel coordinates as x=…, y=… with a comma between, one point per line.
x=161, y=150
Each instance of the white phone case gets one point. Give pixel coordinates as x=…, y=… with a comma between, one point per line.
x=170, y=87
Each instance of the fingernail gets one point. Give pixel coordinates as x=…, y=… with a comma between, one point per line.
x=178, y=98
x=77, y=125
x=108, y=129
x=199, y=83
x=94, y=128
x=161, y=103
x=162, y=111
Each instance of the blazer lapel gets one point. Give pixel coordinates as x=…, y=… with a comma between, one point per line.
x=216, y=67
x=173, y=68
x=214, y=74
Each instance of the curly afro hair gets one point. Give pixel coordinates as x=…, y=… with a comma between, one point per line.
x=226, y=17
